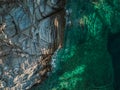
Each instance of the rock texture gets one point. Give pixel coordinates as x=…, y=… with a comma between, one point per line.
x=34, y=30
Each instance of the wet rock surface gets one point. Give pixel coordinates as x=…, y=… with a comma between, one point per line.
x=34, y=30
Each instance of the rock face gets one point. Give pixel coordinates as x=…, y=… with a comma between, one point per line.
x=34, y=30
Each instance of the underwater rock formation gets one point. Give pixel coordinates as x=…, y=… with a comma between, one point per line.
x=34, y=30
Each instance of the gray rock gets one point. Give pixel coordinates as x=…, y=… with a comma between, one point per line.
x=16, y=70
x=33, y=36
x=2, y=84
x=10, y=82
x=6, y=68
x=1, y=72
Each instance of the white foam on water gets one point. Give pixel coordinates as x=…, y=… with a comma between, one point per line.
x=55, y=62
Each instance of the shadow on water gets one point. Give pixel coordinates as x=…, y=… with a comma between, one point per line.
x=114, y=50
